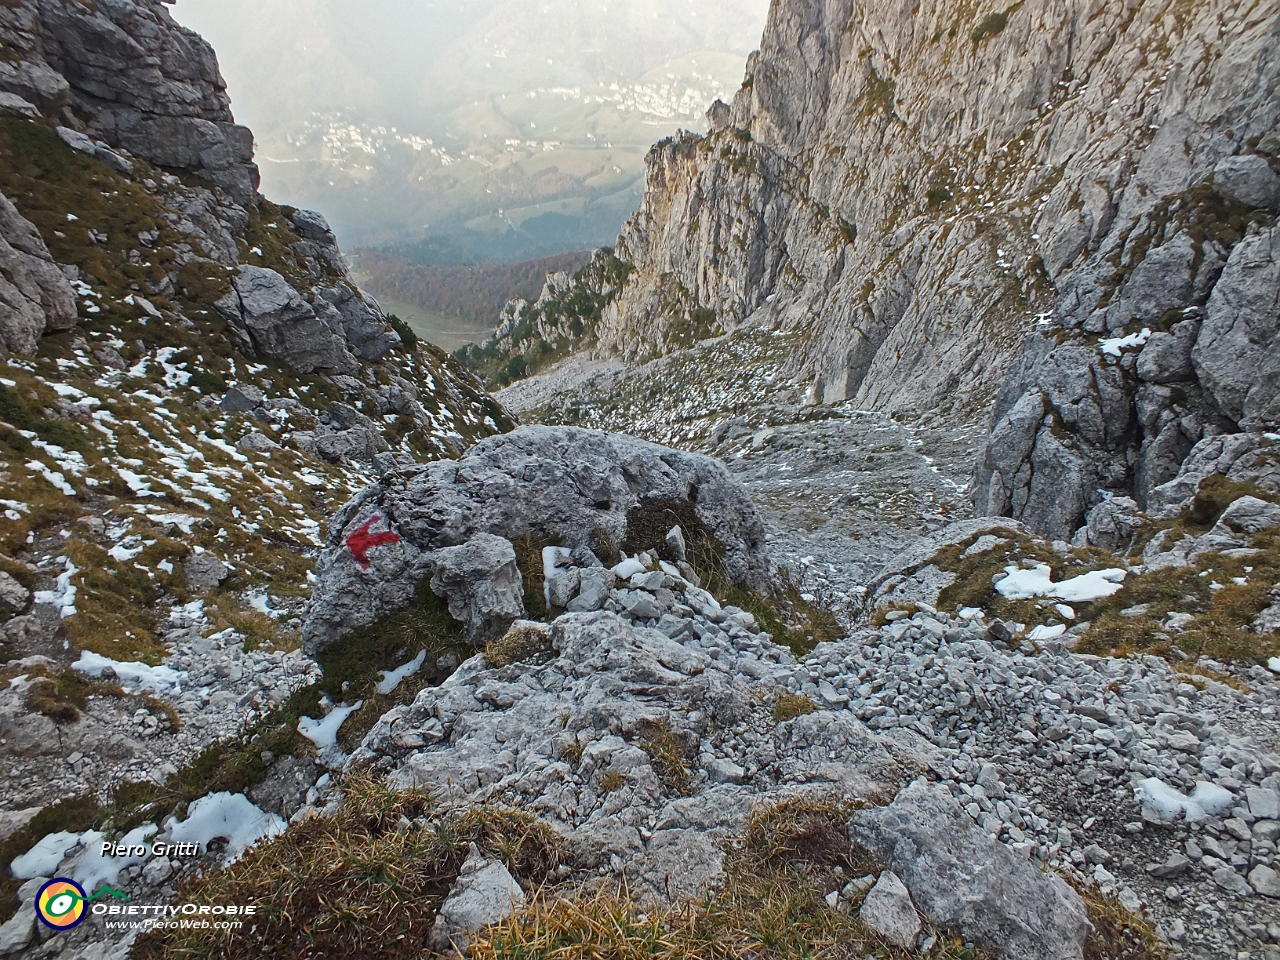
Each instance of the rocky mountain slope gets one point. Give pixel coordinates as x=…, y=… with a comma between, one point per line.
x=1059, y=215
x=190, y=384
x=566, y=692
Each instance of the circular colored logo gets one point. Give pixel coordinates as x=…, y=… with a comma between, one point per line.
x=60, y=903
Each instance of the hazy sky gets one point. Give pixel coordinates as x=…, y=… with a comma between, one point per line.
x=395, y=116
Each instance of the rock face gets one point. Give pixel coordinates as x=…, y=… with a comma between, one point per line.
x=953, y=208
x=966, y=881
x=556, y=487
x=35, y=298
x=125, y=72
x=124, y=85
x=913, y=184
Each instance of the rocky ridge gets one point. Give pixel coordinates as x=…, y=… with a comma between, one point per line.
x=1056, y=215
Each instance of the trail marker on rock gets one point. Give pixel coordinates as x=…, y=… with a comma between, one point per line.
x=361, y=540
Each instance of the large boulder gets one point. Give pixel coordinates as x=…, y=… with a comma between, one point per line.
x=540, y=487
x=272, y=318
x=1235, y=355
x=483, y=585
x=967, y=882
x=35, y=298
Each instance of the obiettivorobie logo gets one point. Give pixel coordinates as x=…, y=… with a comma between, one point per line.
x=61, y=903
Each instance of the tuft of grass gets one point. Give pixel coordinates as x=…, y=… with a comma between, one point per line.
x=1116, y=933
x=771, y=906
x=612, y=781
x=788, y=706
x=226, y=611
x=666, y=755
x=518, y=644
x=365, y=883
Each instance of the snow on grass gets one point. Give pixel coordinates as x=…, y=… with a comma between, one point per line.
x=390, y=679
x=55, y=478
x=140, y=676
x=230, y=815
x=43, y=859
x=1038, y=582
x=122, y=554
x=91, y=869
x=1114, y=346
x=63, y=596
x=324, y=733
x=1207, y=799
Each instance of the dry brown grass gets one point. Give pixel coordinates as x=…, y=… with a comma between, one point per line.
x=771, y=906
x=1116, y=934
x=516, y=645
x=788, y=706
x=364, y=884
x=666, y=756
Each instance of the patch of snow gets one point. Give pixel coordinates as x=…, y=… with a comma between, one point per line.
x=139, y=675
x=63, y=596
x=552, y=558
x=91, y=869
x=390, y=679
x=43, y=859
x=324, y=733
x=1037, y=582
x=120, y=553
x=1207, y=799
x=1274, y=664
x=1067, y=613
x=1047, y=632
x=230, y=815
x=1114, y=346
x=55, y=478
x=65, y=390
x=628, y=568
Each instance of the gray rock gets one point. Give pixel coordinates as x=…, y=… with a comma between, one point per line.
x=1242, y=457
x=14, y=104
x=18, y=931
x=14, y=597
x=556, y=485
x=1235, y=356
x=273, y=319
x=720, y=770
x=205, y=572
x=594, y=587
x=99, y=151
x=1113, y=523
x=485, y=894
x=1265, y=881
x=888, y=911
x=563, y=587
x=1167, y=356
x=482, y=585
x=675, y=544
x=354, y=445
x=964, y=880
x=242, y=398
x=157, y=870
x=257, y=443
x=1250, y=516
x=1227, y=879
x=1248, y=181
x=1264, y=803
x=35, y=297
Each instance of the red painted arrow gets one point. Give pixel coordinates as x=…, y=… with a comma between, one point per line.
x=361, y=541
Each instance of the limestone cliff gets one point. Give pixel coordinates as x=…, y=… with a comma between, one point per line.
x=941, y=195
x=130, y=185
